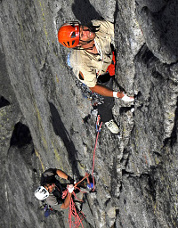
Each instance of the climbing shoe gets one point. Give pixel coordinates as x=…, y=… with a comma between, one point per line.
x=112, y=126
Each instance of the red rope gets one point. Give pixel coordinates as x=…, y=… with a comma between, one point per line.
x=73, y=214
x=94, y=155
x=86, y=176
x=78, y=217
x=74, y=218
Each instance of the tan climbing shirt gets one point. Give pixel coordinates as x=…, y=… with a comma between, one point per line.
x=92, y=65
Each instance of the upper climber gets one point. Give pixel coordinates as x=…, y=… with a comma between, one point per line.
x=92, y=62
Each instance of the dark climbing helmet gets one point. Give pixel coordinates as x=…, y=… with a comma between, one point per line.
x=68, y=34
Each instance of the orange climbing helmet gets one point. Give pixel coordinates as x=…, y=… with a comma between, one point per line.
x=68, y=34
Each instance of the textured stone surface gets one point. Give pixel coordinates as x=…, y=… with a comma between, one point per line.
x=46, y=122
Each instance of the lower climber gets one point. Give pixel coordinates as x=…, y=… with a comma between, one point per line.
x=51, y=189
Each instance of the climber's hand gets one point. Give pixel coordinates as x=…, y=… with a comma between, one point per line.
x=123, y=96
x=70, y=188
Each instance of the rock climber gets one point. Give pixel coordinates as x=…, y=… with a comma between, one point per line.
x=51, y=189
x=93, y=62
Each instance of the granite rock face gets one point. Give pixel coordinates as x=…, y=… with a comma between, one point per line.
x=45, y=120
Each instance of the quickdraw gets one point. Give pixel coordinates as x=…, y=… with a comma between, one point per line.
x=98, y=124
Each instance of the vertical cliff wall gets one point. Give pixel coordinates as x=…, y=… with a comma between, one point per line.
x=46, y=122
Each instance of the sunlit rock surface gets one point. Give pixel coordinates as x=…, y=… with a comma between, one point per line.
x=45, y=121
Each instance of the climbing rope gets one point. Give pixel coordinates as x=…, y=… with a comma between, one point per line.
x=78, y=217
x=75, y=218
x=98, y=129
